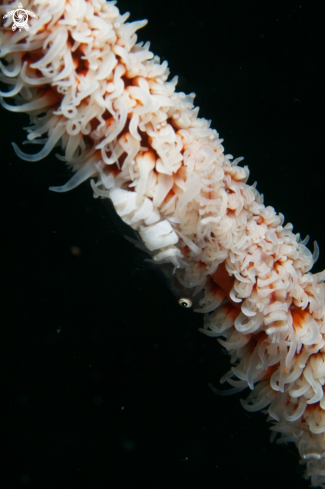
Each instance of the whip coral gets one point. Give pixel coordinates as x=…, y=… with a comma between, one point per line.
x=89, y=87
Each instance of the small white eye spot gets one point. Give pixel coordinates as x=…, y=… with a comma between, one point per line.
x=185, y=303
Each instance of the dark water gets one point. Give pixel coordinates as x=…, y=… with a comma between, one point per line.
x=104, y=377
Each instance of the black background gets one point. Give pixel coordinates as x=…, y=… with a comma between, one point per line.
x=104, y=377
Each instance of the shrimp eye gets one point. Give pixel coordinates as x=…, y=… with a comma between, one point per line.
x=184, y=302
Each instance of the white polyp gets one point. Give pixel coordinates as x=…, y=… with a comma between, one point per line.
x=14, y=91
x=43, y=102
x=51, y=142
x=85, y=172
